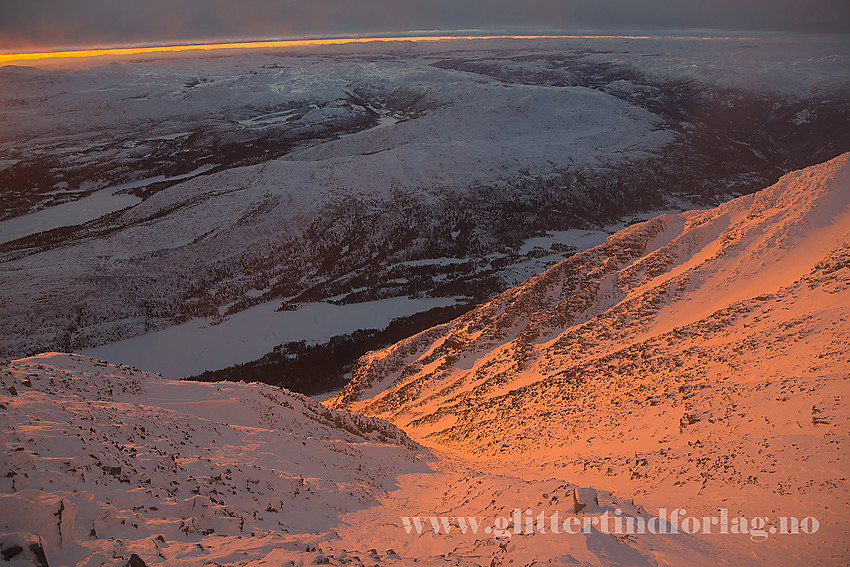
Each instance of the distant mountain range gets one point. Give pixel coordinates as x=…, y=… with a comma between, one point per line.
x=155, y=193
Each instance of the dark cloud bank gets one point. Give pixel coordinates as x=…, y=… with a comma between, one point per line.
x=52, y=24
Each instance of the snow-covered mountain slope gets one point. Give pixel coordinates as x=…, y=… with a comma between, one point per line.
x=144, y=194
x=108, y=465
x=693, y=359
x=102, y=461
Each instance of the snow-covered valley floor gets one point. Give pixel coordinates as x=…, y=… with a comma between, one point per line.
x=144, y=193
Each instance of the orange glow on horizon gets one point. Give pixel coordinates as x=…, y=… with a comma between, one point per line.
x=6, y=58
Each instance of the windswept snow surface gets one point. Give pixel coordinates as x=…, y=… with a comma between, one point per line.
x=102, y=461
x=105, y=462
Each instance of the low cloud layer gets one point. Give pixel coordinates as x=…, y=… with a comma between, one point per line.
x=52, y=24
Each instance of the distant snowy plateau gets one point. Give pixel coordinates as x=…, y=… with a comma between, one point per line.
x=192, y=212
x=696, y=362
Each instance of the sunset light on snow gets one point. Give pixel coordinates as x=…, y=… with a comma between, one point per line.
x=424, y=283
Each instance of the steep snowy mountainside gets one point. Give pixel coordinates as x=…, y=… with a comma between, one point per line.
x=103, y=461
x=697, y=356
x=645, y=281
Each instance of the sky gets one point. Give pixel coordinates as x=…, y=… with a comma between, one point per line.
x=43, y=25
